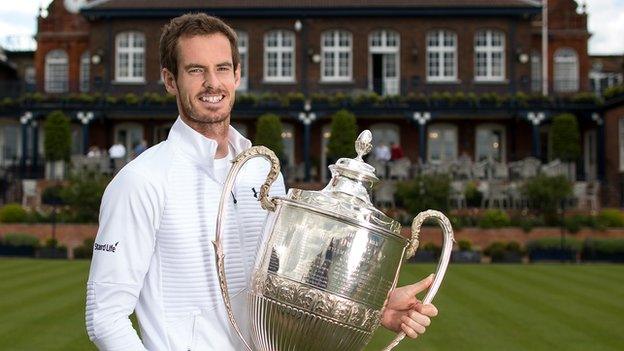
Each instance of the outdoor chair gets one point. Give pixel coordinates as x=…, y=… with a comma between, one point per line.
x=479, y=170
x=496, y=195
x=554, y=168
x=380, y=168
x=457, y=196
x=501, y=171
x=400, y=169
x=530, y=167
x=384, y=194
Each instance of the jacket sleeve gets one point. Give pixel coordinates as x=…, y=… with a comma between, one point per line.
x=129, y=216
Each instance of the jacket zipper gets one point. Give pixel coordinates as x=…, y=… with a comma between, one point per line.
x=192, y=338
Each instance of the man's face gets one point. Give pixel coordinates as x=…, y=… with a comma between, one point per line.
x=207, y=80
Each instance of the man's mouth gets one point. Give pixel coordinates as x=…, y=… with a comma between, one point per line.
x=212, y=98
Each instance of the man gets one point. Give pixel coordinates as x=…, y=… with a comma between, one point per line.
x=157, y=219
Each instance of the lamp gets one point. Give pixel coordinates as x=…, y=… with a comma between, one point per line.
x=298, y=25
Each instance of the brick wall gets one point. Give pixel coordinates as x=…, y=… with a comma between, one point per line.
x=612, y=195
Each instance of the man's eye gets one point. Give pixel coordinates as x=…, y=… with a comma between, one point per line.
x=225, y=69
x=196, y=70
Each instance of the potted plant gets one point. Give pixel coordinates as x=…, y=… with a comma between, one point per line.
x=269, y=133
x=500, y=252
x=428, y=252
x=57, y=144
x=566, y=144
x=603, y=250
x=343, y=134
x=465, y=254
x=52, y=249
x=553, y=249
x=18, y=244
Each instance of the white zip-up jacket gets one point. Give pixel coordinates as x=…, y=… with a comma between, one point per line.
x=153, y=252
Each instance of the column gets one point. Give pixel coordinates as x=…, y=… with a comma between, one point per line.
x=307, y=117
x=422, y=118
x=600, y=146
x=24, y=121
x=536, y=119
x=85, y=118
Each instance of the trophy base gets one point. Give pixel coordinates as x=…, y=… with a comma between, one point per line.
x=276, y=326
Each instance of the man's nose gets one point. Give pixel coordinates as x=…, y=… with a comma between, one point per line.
x=211, y=79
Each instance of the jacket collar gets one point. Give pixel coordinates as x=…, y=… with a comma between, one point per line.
x=200, y=148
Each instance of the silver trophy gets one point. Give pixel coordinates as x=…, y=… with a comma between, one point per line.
x=327, y=261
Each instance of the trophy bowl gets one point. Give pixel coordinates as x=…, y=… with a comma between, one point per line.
x=327, y=261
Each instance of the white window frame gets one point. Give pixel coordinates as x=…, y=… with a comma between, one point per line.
x=440, y=128
x=243, y=51
x=566, y=56
x=85, y=67
x=439, y=50
x=56, y=72
x=489, y=49
x=280, y=50
x=132, y=51
x=335, y=50
x=503, y=142
x=391, y=84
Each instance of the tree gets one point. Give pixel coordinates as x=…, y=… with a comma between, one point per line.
x=566, y=138
x=269, y=133
x=343, y=133
x=57, y=143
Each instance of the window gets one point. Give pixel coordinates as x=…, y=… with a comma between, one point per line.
x=77, y=138
x=384, y=48
x=279, y=56
x=385, y=133
x=243, y=45
x=441, y=143
x=336, y=56
x=10, y=138
x=536, y=71
x=441, y=56
x=490, y=143
x=489, y=55
x=130, y=57
x=85, y=64
x=129, y=135
x=56, y=72
x=566, y=71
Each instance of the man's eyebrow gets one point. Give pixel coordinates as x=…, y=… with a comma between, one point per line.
x=194, y=65
x=225, y=64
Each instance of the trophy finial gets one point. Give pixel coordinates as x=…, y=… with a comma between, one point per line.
x=363, y=144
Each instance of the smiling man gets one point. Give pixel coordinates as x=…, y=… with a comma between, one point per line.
x=159, y=214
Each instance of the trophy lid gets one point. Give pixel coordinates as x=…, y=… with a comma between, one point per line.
x=348, y=192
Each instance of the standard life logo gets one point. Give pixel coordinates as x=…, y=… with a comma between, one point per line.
x=105, y=247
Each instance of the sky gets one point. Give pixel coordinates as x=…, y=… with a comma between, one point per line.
x=606, y=23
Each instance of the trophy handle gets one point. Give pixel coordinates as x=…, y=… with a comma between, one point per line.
x=266, y=203
x=447, y=232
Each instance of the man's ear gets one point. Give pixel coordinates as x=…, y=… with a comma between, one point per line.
x=169, y=81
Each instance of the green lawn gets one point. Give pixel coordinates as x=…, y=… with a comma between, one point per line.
x=482, y=307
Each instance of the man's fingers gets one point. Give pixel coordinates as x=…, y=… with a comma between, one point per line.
x=420, y=286
x=428, y=310
x=419, y=318
x=409, y=331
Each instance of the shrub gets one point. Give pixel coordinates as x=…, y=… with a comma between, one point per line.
x=343, y=133
x=292, y=99
x=499, y=250
x=585, y=98
x=464, y=245
x=547, y=193
x=131, y=99
x=573, y=224
x=494, y=219
x=269, y=133
x=565, y=137
x=153, y=98
x=431, y=247
x=57, y=142
x=52, y=195
x=472, y=194
x=250, y=99
x=85, y=250
x=425, y=192
x=611, y=217
x=610, y=249
x=84, y=194
x=13, y=213
x=613, y=92
x=553, y=243
x=20, y=239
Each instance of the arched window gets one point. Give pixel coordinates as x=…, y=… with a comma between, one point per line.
x=56, y=72
x=441, y=143
x=279, y=56
x=489, y=48
x=336, y=56
x=384, y=47
x=441, y=56
x=490, y=143
x=566, y=71
x=130, y=57
x=243, y=51
x=85, y=64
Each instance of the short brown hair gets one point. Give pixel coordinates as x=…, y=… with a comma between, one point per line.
x=192, y=24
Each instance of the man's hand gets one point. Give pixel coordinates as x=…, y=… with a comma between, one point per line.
x=404, y=312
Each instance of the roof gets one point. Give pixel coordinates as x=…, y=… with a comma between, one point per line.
x=312, y=7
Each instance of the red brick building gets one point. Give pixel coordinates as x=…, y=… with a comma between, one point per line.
x=452, y=77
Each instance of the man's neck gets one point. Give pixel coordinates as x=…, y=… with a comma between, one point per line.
x=216, y=131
